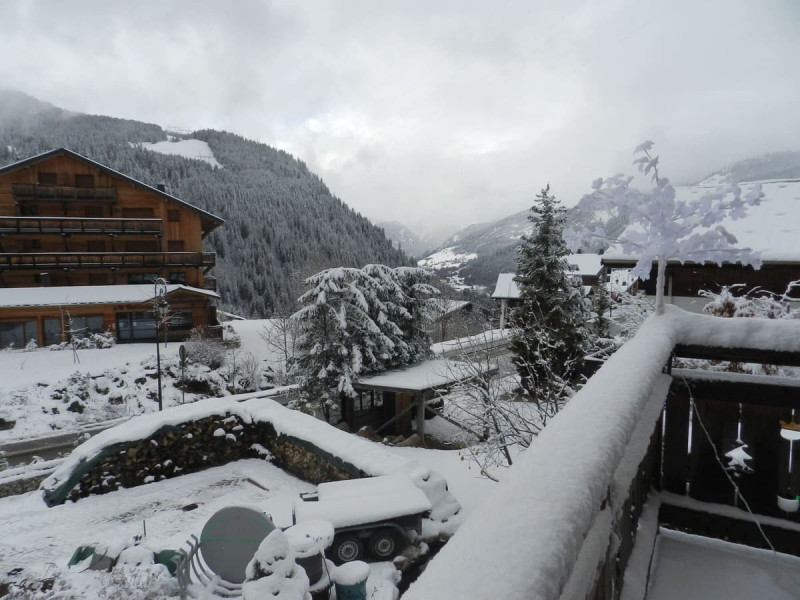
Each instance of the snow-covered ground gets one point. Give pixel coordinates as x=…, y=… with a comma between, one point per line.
x=195, y=149
x=688, y=567
x=446, y=258
x=37, y=387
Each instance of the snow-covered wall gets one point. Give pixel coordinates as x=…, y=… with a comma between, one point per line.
x=527, y=539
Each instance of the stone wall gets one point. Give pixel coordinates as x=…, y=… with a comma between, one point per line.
x=192, y=447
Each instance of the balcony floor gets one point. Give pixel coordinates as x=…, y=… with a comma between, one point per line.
x=690, y=567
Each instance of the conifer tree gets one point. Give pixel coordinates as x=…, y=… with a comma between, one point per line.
x=551, y=336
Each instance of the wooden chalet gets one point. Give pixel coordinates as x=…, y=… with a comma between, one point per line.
x=769, y=228
x=80, y=238
x=588, y=268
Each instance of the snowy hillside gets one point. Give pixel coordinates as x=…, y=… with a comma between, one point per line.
x=195, y=149
x=776, y=165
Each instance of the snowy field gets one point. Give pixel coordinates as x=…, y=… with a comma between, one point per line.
x=37, y=387
x=688, y=567
x=41, y=540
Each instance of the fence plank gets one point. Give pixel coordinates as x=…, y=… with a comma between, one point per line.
x=676, y=441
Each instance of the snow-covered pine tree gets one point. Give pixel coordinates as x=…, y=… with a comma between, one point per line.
x=550, y=337
x=354, y=322
x=418, y=296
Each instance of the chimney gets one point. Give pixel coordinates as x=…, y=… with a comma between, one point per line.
x=161, y=187
x=44, y=279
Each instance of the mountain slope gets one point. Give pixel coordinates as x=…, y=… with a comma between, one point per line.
x=282, y=222
x=775, y=165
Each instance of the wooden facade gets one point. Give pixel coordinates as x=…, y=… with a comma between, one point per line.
x=66, y=220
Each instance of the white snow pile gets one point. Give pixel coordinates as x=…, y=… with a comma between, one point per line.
x=273, y=572
x=195, y=149
x=371, y=459
x=539, y=534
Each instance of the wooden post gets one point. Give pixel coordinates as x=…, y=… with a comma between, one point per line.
x=420, y=402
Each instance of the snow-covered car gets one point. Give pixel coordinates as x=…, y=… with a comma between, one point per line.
x=379, y=514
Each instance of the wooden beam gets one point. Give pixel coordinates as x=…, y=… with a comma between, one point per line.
x=749, y=355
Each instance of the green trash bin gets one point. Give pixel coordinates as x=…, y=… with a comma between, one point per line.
x=351, y=580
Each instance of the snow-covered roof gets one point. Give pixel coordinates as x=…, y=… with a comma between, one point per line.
x=588, y=265
x=88, y=294
x=445, y=306
x=769, y=228
x=416, y=378
x=376, y=499
x=506, y=287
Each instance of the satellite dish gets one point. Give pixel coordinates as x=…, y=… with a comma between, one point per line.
x=230, y=538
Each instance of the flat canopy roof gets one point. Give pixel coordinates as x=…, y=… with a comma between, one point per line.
x=88, y=294
x=426, y=375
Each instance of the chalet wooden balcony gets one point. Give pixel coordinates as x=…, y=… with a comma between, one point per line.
x=70, y=226
x=210, y=283
x=106, y=260
x=32, y=192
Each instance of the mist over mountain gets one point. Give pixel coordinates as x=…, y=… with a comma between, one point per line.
x=282, y=222
x=775, y=165
x=408, y=240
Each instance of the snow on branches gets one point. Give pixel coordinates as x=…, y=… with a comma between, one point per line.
x=664, y=227
x=358, y=321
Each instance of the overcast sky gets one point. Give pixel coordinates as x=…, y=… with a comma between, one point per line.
x=432, y=113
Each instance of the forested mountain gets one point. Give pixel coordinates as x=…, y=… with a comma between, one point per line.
x=407, y=240
x=282, y=222
x=775, y=165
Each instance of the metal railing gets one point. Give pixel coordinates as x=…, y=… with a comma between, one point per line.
x=67, y=225
x=62, y=193
x=115, y=260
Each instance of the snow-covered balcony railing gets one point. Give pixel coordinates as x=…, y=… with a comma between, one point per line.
x=556, y=524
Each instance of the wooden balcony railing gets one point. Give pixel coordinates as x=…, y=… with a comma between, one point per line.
x=32, y=192
x=101, y=260
x=210, y=283
x=64, y=225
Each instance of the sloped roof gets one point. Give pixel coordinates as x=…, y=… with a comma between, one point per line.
x=88, y=294
x=214, y=220
x=769, y=228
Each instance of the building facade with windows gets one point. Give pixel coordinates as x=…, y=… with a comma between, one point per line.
x=79, y=240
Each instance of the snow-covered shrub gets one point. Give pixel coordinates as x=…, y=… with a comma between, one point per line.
x=31, y=345
x=89, y=341
x=203, y=348
x=737, y=301
x=273, y=572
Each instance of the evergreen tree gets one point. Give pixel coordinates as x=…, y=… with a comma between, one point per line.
x=551, y=336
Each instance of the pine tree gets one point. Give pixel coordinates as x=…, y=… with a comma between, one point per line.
x=551, y=336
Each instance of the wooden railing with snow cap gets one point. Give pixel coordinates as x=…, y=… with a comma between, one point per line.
x=552, y=530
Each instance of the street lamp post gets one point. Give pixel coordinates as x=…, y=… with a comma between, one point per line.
x=160, y=308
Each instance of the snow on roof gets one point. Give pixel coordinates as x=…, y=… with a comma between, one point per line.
x=490, y=338
x=88, y=294
x=506, y=287
x=422, y=376
x=526, y=539
x=588, y=265
x=769, y=228
x=377, y=498
x=196, y=149
x=445, y=306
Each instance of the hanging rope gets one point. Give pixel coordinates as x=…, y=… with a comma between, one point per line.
x=696, y=413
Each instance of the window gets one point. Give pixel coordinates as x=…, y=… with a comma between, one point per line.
x=175, y=246
x=137, y=213
x=83, y=326
x=84, y=180
x=93, y=212
x=29, y=210
x=52, y=331
x=173, y=216
x=36, y=244
x=141, y=246
x=177, y=277
x=17, y=335
x=48, y=178
x=141, y=278
x=136, y=326
x=180, y=319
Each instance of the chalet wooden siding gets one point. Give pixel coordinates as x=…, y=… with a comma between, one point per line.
x=68, y=221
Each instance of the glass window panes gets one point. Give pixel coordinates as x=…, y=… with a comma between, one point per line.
x=17, y=335
x=52, y=331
